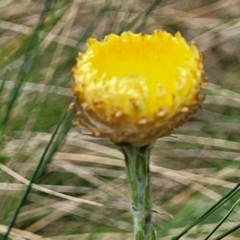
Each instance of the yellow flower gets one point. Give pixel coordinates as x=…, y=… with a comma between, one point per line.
x=136, y=88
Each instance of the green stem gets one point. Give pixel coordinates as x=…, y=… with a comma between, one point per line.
x=137, y=169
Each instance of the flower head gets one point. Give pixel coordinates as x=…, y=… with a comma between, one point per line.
x=136, y=88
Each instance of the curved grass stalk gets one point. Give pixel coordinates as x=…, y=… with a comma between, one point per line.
x=42, y=165
x=223, y=219
x=212, y=209
x=231, y=230
x=26, y=66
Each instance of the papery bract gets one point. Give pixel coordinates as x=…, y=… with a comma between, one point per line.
x=136, y=88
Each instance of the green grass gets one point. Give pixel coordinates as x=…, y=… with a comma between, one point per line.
x=79, y=189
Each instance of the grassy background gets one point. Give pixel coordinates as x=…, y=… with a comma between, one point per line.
x=82, y=191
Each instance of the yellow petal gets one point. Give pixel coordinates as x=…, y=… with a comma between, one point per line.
x=136, y=86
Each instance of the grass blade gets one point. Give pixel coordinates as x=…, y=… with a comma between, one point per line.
x=27, y=64
x=42, y=165
x=235, y=228
x=223, y=219
x=212, y=209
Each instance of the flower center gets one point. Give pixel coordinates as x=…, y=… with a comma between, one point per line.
x=138, y=75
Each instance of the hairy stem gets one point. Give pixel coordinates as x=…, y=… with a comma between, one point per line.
x=137, y=169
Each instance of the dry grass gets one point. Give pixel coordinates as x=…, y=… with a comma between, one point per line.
x=84, y=190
